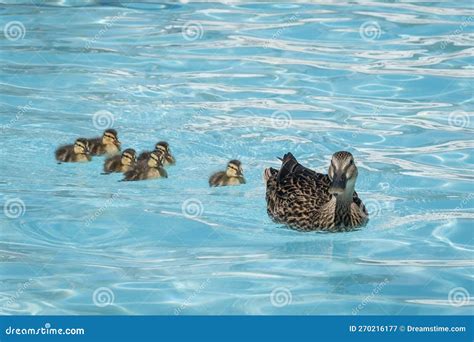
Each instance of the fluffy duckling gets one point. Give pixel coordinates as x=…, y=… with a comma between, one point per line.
x=152, y=168
x=108, y=144
x=78, y=152
x=233, y=175
x=164, y=147
x=122, y=163
x=306, y=200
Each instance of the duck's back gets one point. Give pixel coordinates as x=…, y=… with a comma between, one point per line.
x=296, y=195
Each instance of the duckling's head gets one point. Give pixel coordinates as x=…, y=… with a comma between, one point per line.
x=343, y=174
x=129, y=157
x=234, y=169
x=110, y=137
x=156, y=159
x=81, y=146
x=162, y=146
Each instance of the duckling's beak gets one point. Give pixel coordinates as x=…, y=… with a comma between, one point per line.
x=338, y=185
x=117, y=143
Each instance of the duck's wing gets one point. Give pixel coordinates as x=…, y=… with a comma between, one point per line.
x=299, y=189
x=359, y=203
x=291, y=168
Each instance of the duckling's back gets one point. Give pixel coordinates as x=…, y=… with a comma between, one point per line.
x=217, y=179
x=63, y=153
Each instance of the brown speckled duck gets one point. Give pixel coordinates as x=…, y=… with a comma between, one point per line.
x=78, y=152
x=121, y=163
x=164, y=147
x=233, y=175
x=108, y=144
x=309, y=201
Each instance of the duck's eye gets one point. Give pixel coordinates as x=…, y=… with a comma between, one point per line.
x=351, y=162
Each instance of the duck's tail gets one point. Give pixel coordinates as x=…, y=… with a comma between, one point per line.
x=288, y=165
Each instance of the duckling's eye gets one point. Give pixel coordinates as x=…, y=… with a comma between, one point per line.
x=351, y=162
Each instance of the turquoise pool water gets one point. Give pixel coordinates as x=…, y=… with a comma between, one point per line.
x=389, y=82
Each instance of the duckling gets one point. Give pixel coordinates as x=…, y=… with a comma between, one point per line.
x=306, y=200
x=122, y=163
x=153, y=168
x=165, y=148
x=79, y=152
x=107, y=144
x=233, y=175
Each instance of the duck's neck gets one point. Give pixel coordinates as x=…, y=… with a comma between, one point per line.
x=343, y=202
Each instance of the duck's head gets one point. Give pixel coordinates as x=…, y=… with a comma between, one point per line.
x=110, y=138
x=155, y=159
x=343, y=174
x=234, y=169
x=163, y=146
x=81, y=146
x=128, y=157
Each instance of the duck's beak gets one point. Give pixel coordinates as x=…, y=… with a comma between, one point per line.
x=338, y=185
x=117, y=143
